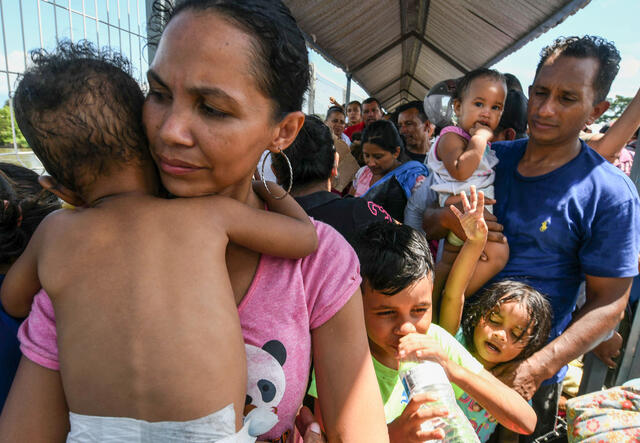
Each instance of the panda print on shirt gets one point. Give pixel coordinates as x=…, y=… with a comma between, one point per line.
x=266, y=381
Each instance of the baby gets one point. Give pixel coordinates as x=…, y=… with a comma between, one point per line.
x=462, y=156
x=148, y=327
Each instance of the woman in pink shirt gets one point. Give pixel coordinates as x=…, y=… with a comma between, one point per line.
x=213, y=107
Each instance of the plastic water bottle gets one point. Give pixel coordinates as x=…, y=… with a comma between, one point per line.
x=429, y=377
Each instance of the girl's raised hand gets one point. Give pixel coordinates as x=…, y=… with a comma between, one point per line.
x=472, y=220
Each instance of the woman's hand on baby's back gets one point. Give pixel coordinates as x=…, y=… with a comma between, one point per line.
x=408, y=426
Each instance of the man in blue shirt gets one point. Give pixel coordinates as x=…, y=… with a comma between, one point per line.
x=568, y=214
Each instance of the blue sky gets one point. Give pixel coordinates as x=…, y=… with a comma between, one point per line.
x=615, y=20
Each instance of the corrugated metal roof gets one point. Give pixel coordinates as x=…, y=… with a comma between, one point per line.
x=398, y=49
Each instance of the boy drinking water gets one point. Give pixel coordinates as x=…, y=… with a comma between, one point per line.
x=397, y=273
x=148, y=327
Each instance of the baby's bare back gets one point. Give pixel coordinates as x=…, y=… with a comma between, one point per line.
x=147, y=323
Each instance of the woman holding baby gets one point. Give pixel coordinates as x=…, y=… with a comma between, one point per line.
x=226, y=83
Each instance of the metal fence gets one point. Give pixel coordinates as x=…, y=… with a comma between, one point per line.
x=33, y=24
x=121, y=25
x=321, y=89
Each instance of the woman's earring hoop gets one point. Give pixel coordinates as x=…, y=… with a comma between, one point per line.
x=264, y=182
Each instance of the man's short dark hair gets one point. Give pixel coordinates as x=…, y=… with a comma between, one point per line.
x=372, y=100
x=81, y=112
x=585, y=47
x=312, y=155
x=392, y=257
x=416, y=104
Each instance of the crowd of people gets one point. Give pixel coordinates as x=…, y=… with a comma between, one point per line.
x=180, y=296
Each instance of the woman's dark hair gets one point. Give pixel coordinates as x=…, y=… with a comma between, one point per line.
x=280, y=61
x=81, y=112
x=586, y=47
x=335, y=109
x=463, y=83
x=311, y=155
x=393, y=257
x=384, y=134
x=24, y=206
x=536, y=304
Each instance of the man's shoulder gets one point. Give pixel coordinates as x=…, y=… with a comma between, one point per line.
x=509, y=147
x=605, y=179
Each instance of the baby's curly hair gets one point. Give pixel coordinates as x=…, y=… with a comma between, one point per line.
x=584, y=47
x=536, y=304
x=80, y=110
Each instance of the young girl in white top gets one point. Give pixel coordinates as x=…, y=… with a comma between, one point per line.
x=462, y=157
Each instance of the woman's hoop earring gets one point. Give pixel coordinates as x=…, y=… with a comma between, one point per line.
x=264, y=182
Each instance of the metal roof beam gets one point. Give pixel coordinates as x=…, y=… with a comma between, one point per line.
x=399, y=92
x=384, y=50
x=406, y=74
x=397, y=79
x=392, y=96
x=424, y=12
x=555, y=19
x=440, y=52
x=410, y=93
x=415, y=79
x=399, y=41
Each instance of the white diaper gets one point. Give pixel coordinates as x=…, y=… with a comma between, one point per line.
x=217, y=427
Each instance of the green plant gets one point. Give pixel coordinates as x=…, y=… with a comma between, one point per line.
x=616, y=108
x=6, y=134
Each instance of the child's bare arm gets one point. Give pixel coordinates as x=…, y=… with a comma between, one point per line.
x=285, y=206
x=475, y=229
x=611, y=143
x=289, y=235
x=506, y=405
x=21, y=282
x=461, y=158
x=35, y=409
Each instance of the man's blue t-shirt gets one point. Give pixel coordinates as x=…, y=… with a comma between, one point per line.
x=580, y=219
